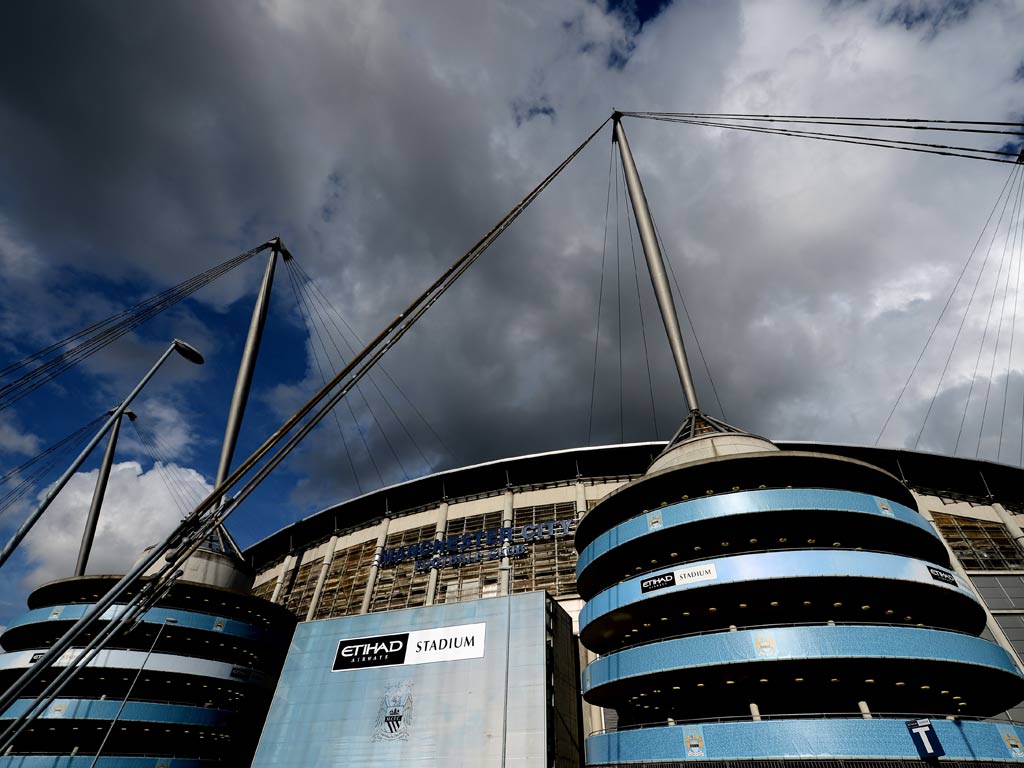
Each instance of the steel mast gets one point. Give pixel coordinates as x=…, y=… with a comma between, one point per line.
x=655, y=263
x=97, y=496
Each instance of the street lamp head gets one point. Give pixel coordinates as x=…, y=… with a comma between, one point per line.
x=189, y=352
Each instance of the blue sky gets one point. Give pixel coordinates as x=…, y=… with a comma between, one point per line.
x=144, y=145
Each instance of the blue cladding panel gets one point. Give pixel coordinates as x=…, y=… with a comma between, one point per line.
x=85, y=761
x=107, y=709
x=775, y=739
x=189, y=619
x=776, y=565
x=746, y=502
x=821, y=642
x=461, y=712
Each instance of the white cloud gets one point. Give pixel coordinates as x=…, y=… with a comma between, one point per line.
x=15, y=440
x=138, y=510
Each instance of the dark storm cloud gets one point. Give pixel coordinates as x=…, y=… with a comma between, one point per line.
x=148, y=142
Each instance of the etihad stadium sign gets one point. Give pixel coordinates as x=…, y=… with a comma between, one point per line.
x=492, y=544
x=421, y=646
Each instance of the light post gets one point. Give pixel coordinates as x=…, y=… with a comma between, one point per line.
x=185, y=350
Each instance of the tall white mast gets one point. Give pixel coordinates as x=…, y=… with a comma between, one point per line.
x=655, y=264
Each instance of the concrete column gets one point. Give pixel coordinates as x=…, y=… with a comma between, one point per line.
x=864, y=711
x=505, y=569
x=371, y=579
x=755, y=712
x=314, y=603
x=581, y=500
x=440, y=531
x=1011, y=524
x=990, y=622
x=286, y=567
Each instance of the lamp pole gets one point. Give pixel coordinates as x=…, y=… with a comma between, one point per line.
x=185, y=350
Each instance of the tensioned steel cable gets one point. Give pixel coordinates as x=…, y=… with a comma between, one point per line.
x=105, y=332
x=332, y=310
x=906, y=123
x=945, y=306
x=189, y=534
x=183, y=497
x=17, y=365
x=970, y=302
x=988, y=322
x=600, y=294
x=689, y=321
x=360, y=392
x=325, y=320
x=1012, y=224
x=337, y=420
x=62, y=443
x=32, y=472
x=1013, y=331
x=871, y=141
x=640, y=306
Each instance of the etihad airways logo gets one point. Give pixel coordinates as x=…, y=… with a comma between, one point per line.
x=421, y=646
x=706, y=572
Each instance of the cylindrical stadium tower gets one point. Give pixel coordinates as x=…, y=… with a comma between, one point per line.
x=754, y=594
x=186, y=687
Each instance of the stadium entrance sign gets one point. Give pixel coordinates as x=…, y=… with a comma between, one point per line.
x=492, y=544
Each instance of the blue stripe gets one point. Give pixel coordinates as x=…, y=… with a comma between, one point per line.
x=190, y=619
x=799, y=738
x=785, y=564
x=749, y=502
x=796, y=643
x=106, y=709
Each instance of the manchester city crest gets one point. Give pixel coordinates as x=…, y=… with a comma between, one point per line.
x=395, y=714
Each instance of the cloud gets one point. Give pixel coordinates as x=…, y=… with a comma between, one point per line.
x=16, y=441
x=138, y=510
x=382, y=141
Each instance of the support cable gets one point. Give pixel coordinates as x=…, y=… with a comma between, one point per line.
x=58, y=446
x=945, y=368
x=925, y=148
x=600, y=295
x=360, y=391
x=640, y=305
x=106, y=332
x=988, y=320
x=1002, y=314
x=325, y=318
x=689, y=321
x=163, y=454
x=337, y=420
x=1013, y=330
x=32, y=472
x=945, y=306
x=189, y=534
x=348, y=453
x=184, y=497
x=859, y=122
x=332, y=310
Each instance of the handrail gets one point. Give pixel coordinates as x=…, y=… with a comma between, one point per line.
x=803, y=716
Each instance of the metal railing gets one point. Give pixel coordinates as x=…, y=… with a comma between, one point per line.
x=848, y=715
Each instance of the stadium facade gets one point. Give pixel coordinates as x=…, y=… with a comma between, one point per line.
x=733, y=598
